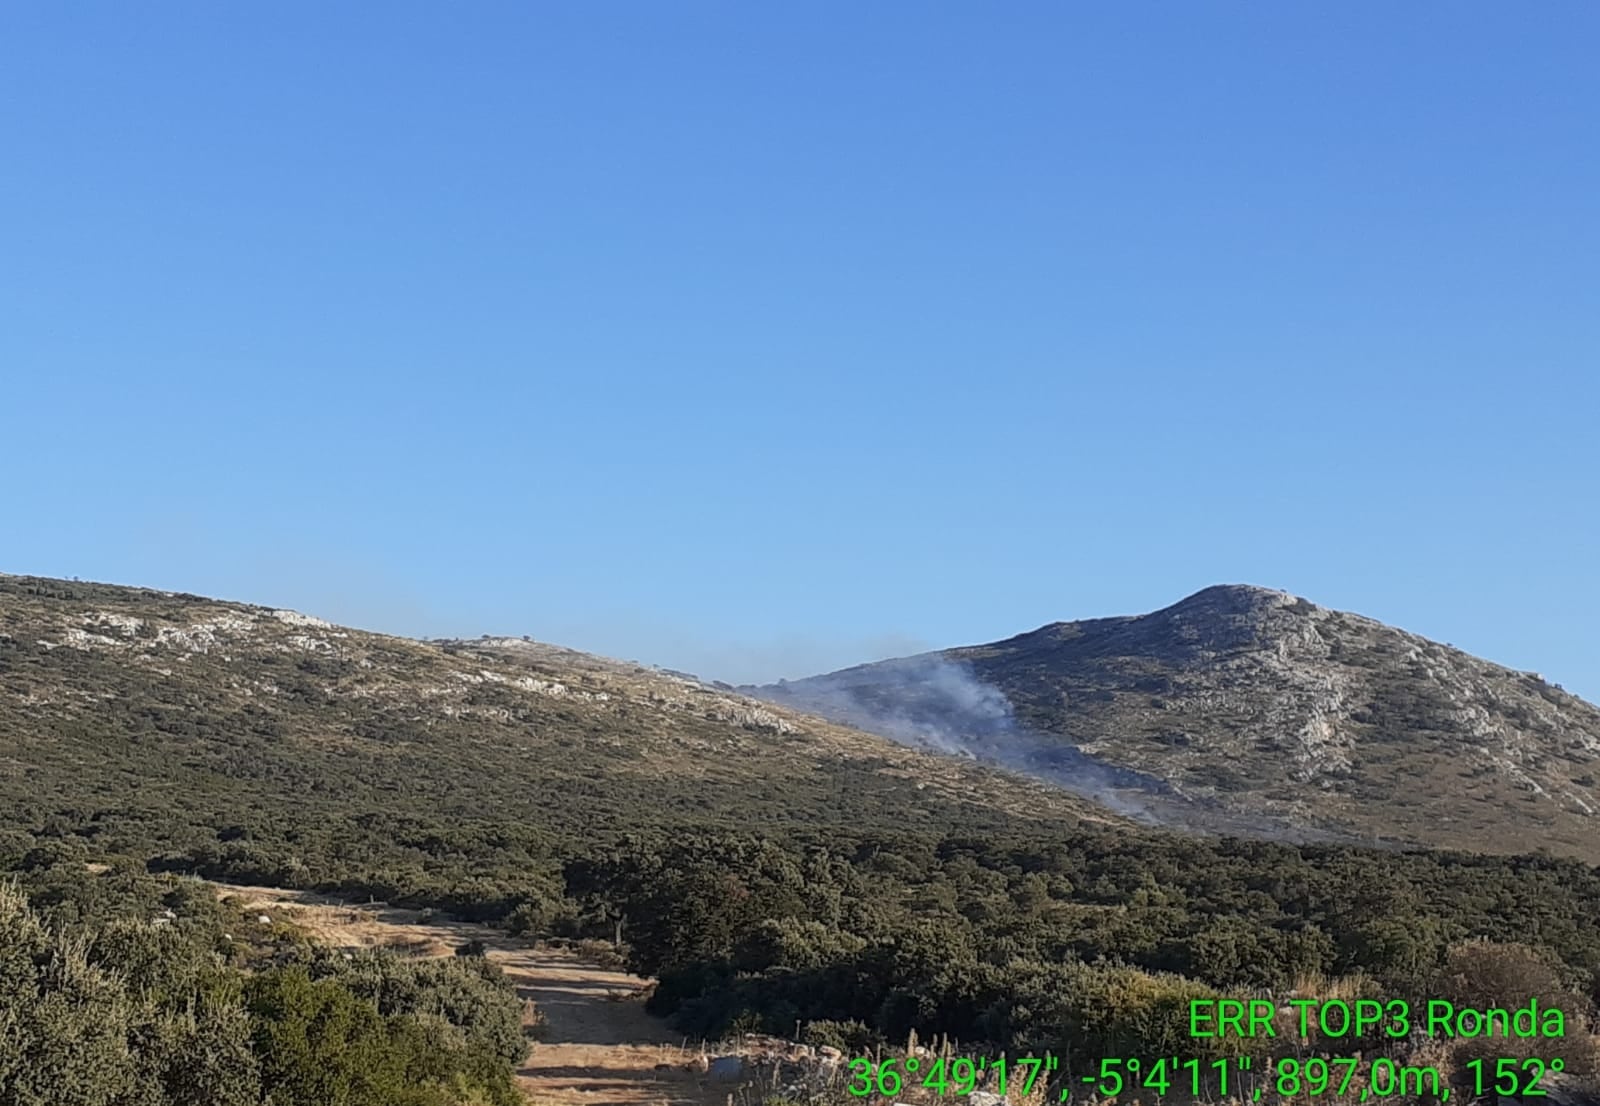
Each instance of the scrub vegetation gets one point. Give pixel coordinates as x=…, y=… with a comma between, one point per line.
x=771, y=872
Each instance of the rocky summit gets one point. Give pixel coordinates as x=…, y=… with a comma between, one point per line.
x=1272, y=708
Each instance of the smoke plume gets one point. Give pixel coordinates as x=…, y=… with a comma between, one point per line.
x=935, y=703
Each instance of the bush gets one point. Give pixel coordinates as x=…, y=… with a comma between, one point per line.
x=318, y=1043
x=66, y=1022
x=130, y=1013
x=850, y=1037
x=1082, y=1013
x=469, y=995
x=602, y=954
x=1486, y=975
x=544, y=916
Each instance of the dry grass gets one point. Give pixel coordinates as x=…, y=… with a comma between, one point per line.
x=1345, y=988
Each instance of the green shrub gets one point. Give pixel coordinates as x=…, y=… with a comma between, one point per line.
x=137, y=1013
x=64, y=1023
x=320, y=1045
x=851, y=1037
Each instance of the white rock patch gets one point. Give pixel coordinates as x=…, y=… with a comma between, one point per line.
x=295, y=618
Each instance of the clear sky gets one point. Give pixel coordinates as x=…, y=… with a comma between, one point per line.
x=760, y=339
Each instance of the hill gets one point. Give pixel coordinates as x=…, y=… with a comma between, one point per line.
x=263, y=744
x=1261, y=704
x=768, y=871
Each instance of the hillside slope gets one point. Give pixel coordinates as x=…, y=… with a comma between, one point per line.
x=1272, y=707
x=137, y=721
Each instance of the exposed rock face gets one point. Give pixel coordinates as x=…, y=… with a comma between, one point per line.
x=1272, y=706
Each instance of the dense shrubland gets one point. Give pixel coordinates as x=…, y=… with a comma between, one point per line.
x=1087, y=944
x=1087, y=947
x=122, y=989
x=857, y=911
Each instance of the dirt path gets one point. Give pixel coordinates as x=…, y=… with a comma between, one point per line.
x=600, y=1048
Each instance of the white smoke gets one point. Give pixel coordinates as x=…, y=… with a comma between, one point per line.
x=935, y=703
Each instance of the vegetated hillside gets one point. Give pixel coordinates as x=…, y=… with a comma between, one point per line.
x=768, y=869
x=1276, y=709
x=263, y=744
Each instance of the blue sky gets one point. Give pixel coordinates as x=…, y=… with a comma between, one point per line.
x=761, y=339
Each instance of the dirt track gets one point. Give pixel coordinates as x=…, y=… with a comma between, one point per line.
x=600, y=1047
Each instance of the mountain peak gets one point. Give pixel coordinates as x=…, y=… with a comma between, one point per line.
x=1271, y=706
x=1225, y=598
